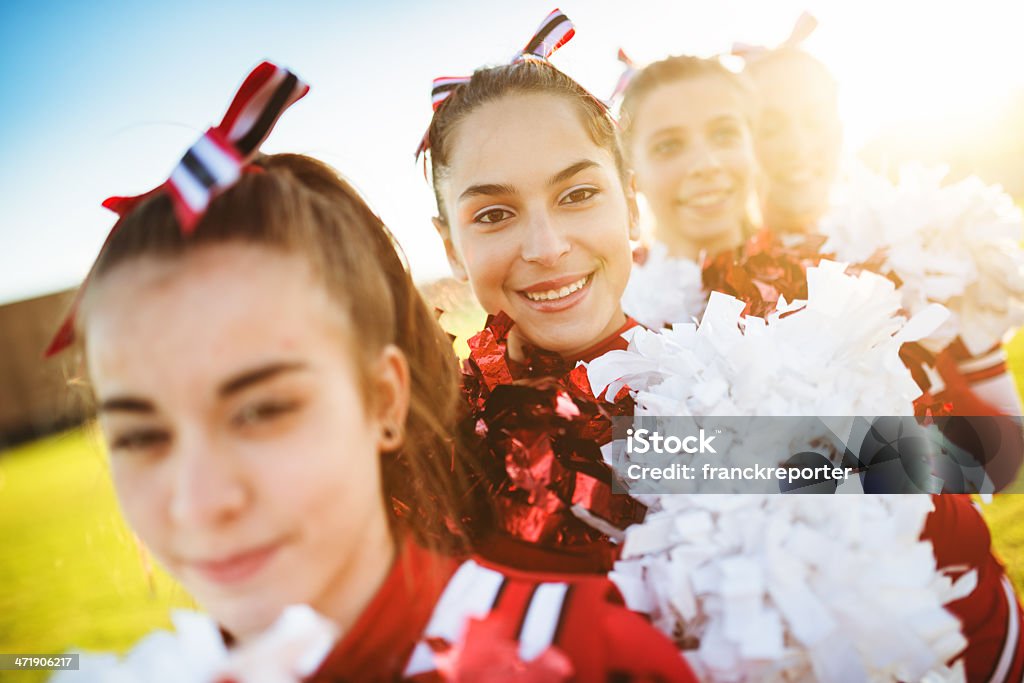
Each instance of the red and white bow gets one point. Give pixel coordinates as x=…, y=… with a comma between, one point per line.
x=213, y=164
x=802, y=29
x=555, y=31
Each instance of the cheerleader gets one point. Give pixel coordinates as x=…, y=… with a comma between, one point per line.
x=799, y=135
x=536, y=210
x=686, y=126
x=799, y=142
x=277, y=400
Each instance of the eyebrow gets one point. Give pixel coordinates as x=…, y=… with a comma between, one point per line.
x=261, y=374
x=726, y=118
x=492, y=189
x=488, y=189
x=126, y=404
x=570, y=171
x=667, y=130
x=132, y=404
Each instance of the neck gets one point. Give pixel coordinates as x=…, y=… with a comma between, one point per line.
x=683, y=248
x=785, y=222
x=358, y=581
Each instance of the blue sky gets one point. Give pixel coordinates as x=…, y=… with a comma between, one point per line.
x=102, y=98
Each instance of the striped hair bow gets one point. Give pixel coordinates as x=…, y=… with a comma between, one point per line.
x=802, y=29
x=555, y=31
x=627, y=76
x=212, y=165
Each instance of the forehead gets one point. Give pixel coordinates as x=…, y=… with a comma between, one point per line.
x=520, y=138
x=689, y=101
x=151, y=323
x=789, y=83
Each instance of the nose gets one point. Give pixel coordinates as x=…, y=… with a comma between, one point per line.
x=704, y=160
x=544, y=242
x=800, y=144
x=208, y=486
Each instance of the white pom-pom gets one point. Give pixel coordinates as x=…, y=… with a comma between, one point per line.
x=664, y=290
x=957, y=244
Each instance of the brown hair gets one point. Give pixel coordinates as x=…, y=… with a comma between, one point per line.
x=526, y=76
x=671, y=70
x=300, y=205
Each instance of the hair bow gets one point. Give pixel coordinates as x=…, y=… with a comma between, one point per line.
x=625, y=79
x=213, y=164
x=802, y=29
x=555, y=31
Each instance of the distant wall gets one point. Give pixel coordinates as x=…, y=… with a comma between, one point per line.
x=34, y=396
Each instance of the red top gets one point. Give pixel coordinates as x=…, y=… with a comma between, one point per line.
x=435, y=619
x=991, y=616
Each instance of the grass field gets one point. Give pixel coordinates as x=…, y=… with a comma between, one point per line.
x=72, y=574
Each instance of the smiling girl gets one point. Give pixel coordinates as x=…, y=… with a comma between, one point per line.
x=278, y=402
x=687, y=132
x=686, y=126
x=536, y=211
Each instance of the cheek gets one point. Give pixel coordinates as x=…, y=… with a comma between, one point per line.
x=742, y=164
x=774, y=151
x=611, y=241
x=142, y=494
x=488, y=260
x=660, y=180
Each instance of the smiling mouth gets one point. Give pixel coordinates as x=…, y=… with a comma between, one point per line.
x=238, y=567
x=556, y=294
x=706, y=199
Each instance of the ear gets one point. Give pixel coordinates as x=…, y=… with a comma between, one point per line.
x=391, y=397
x=631, y=204
x=454, y=260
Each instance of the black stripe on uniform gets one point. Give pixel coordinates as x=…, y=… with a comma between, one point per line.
x=498, y=593
x=561, y=614
x=526, y=611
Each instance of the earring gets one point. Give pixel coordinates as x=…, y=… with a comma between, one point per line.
x=392, y=432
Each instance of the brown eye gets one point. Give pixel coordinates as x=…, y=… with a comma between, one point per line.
x=265, y=411
x=725, y=135
x=492, y=216
x=139, y=441
x=580, y=194
x=667, y=147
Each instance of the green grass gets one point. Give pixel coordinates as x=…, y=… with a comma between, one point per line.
x=72, y=574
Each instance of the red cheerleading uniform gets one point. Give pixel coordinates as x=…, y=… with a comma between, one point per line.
x=436, y=619
x=991, y=616
x=538, y=430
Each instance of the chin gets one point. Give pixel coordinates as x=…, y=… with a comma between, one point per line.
x=246, y=619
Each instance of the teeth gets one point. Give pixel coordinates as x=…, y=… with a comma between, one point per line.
x=553, y=294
